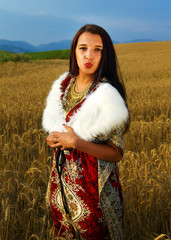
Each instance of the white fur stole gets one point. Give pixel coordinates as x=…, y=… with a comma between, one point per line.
x=103, y=111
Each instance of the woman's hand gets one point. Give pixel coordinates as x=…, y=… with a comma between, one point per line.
x=63, y=140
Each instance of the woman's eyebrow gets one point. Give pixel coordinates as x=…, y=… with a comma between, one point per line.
x=99, y=46
x=84, y=44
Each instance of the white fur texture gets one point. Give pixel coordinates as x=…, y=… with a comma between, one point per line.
x=102, y=111
x=54, y=115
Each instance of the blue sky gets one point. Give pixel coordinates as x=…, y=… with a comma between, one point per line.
x=44, y=21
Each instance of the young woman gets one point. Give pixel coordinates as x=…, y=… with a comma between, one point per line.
x=86, y=115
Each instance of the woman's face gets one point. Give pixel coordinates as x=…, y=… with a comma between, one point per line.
x=88, y=52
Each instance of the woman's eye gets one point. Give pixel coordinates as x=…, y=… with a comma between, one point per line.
x=98, y=49
x=83, y=48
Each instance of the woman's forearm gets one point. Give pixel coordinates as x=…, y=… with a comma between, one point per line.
x=107, y=152
x=66, y=140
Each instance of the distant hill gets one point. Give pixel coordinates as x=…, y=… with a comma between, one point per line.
x=140, y=40
x=65, y=44
x=115, y=42
x=16, y=46
x=22, y=46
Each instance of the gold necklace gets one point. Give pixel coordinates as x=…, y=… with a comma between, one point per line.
x=77, y=95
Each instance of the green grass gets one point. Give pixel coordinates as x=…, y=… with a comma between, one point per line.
x=56, y=54
x=6, y=56
x=25, y=57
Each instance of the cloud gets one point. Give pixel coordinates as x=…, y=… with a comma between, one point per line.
x=132, y=24
x=127, y=28
x=40, y=13
x=35, y=28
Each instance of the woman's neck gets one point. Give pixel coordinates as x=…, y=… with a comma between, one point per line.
x=82, y=82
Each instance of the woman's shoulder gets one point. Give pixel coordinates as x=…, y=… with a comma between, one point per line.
x=105, y=92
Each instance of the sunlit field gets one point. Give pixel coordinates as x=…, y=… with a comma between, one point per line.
x=25, y=159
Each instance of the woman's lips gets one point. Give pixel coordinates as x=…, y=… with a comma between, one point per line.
x=88, y=65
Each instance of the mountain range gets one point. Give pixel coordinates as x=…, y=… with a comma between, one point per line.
x=22, y=46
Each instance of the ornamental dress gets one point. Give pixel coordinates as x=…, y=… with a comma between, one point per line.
x=91, y=186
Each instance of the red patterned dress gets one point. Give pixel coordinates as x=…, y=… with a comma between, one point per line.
x=91, y=186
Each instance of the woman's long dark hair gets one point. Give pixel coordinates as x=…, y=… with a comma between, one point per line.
x=108, y=66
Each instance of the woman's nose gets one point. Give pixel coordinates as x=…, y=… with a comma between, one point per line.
x=89, y=54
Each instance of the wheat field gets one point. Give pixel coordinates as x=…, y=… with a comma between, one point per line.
x=25, y=159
